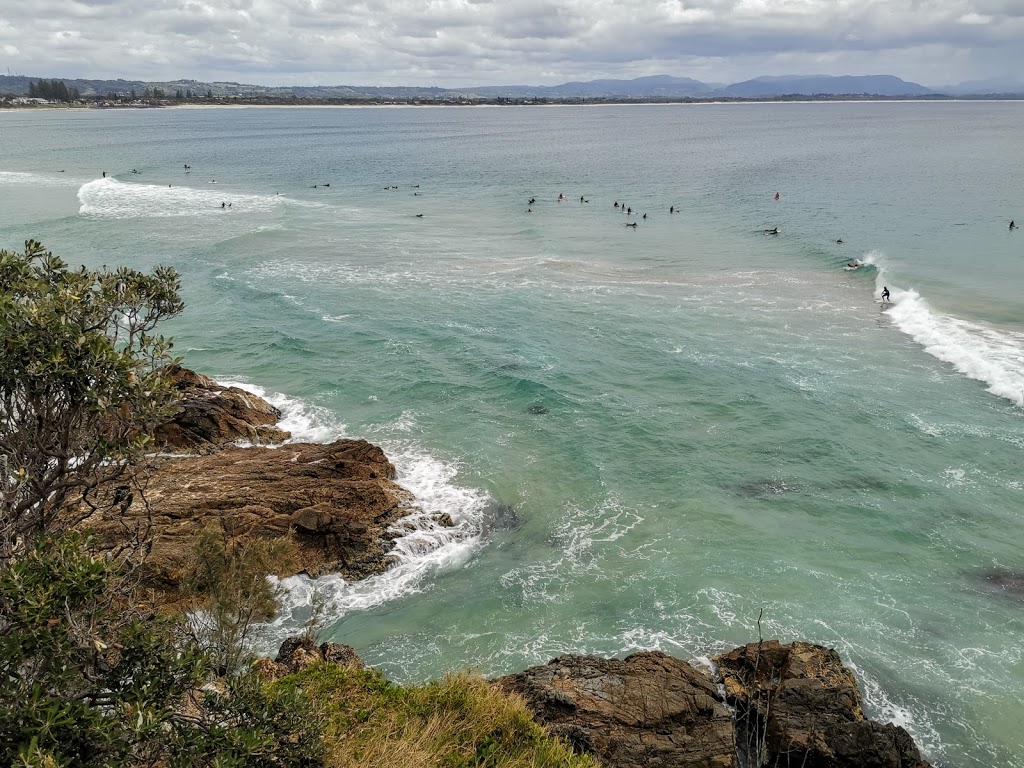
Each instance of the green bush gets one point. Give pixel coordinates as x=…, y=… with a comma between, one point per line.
x=88, y=679
x=81, y=387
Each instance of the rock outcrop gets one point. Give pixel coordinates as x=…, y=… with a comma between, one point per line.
x=211, y=416
x=646, y=710
x=791, y=705
x=798, y=703
x=298, y=653
x=337, y=501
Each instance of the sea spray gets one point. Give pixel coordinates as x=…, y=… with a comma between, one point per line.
x=425, y=543
x=984, y=353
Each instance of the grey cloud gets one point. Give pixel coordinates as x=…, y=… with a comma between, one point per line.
x=479, y=41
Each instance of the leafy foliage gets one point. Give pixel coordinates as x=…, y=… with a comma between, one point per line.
x=81, y=387
x=88, y=679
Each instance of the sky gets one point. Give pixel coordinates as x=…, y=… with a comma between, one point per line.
x=458, y=43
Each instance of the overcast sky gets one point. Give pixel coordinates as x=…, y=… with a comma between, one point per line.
x=483, y=42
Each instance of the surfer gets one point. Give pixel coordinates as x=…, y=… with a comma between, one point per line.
x=419, y=215
x=1012, y=225
x=776, y=195
x=104, y=174
x=645, y=216
x=671, y=209
x=773, y=231
x=632, y=225
x=223, y=205
x=885, y=294
x=839, y=241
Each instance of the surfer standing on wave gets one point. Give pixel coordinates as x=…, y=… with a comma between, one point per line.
x=885, y=294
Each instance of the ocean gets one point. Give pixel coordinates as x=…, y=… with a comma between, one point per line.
x=663, y=436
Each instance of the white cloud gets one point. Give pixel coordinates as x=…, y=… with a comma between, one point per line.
x=466, y=42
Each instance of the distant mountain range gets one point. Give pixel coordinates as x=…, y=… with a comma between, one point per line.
x=658, y=87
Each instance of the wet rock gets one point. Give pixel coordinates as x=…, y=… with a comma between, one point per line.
x=444, y=520
x=336, y=501
x=501, y=516
x=798, y=705
x=210, y=416
x=646, y=710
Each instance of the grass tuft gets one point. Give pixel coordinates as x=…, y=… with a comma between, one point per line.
x=458, y=722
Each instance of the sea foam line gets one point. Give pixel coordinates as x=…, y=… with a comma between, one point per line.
x=112, y=199
x=38, y=179
x=423, y=546
x=995, y=357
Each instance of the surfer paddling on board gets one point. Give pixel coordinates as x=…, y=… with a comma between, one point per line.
x=885, y=295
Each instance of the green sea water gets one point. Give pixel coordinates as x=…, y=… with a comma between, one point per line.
x=650, y=436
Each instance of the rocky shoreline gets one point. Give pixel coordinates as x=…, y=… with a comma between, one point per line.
x=764, y=704
x=337, y=502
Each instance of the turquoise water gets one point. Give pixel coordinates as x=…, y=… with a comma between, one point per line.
x=648, y=437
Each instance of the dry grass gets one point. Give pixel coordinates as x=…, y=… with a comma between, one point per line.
x=457, y=722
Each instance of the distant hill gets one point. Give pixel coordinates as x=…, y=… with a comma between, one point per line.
x=653, y=87
x=1001, y=86
x=813, y=85
x=657, y=87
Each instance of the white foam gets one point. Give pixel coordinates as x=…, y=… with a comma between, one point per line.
x=424, y=546
x=885, y=709
x=980, y=352
x=308, y=423
x=112, y=199
x=11, y=178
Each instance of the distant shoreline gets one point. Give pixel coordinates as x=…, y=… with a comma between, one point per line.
x=410, y=105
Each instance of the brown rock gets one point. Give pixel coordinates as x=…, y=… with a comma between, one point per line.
x=210, y=416
x=337, y=501
x=646, y=710
x=797, y=704
x=298, y=653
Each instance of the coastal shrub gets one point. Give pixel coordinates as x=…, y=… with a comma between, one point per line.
x=88, y=677
x=81, y=387
x=457, y=722
x=228, y=578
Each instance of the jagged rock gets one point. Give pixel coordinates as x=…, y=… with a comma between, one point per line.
x=798, y=705
x=646, y=710
x=298, y=653
x=337, y=502
x=210, y=416
x=444, y=519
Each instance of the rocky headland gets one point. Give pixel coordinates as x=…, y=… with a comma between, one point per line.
x=338, y=502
